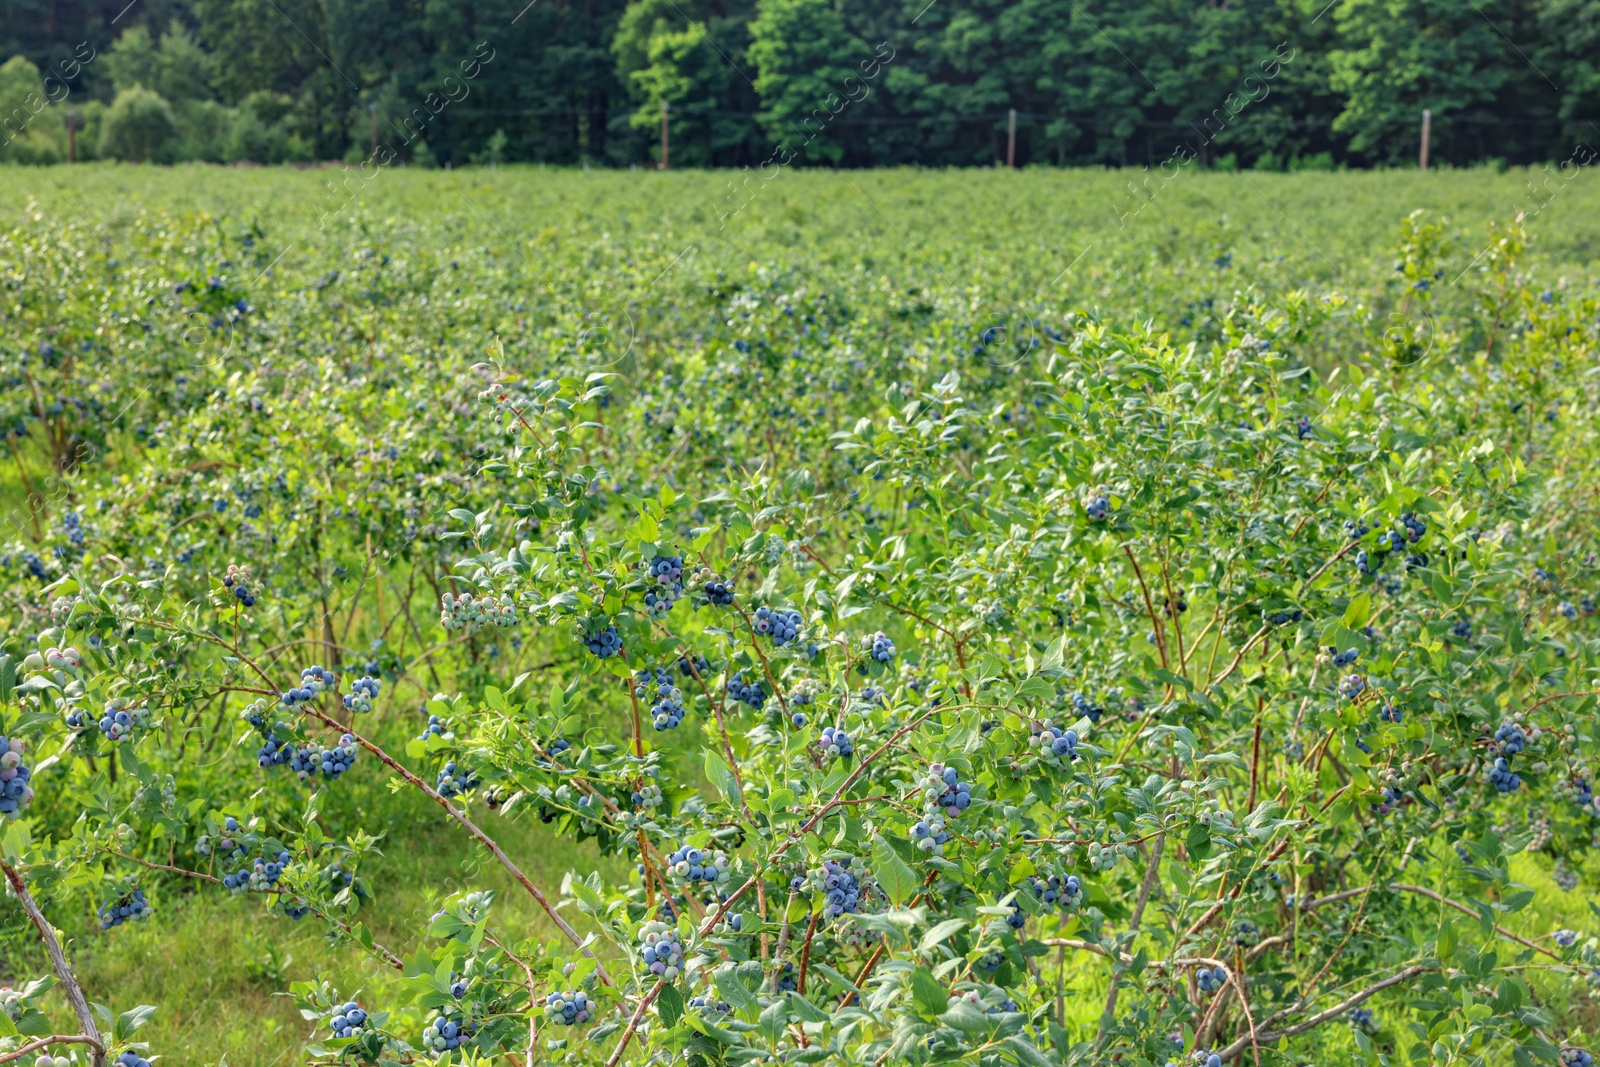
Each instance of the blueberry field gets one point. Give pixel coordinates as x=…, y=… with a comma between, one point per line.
x=536, y=616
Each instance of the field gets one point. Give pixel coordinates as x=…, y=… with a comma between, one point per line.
x=893, y=401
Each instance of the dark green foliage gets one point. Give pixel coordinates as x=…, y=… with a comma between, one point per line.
x=822, y=82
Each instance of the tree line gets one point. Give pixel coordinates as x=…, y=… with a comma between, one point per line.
x=811, y=82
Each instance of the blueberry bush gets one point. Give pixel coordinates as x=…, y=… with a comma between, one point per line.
x=1073, y=690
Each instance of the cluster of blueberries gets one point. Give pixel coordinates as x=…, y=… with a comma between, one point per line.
x=842, y=885
x=568, y=1008
x=1352, y=686
x=1410, y=532
x=129, y=1058
x=121, y=720
x=238, y=580
x=665, y=577
x=224, y=844
x=435, y=728
x=749, y=693
x=691, y=864
x=1055, y=744
x=347, y=1020
x=782, y=626
x=693, y=668
x=1210, y=979
x=307, y=760
x=1391, y=799
x=1284, y=618
x=660, y=950
x=469, y=613
x=835, y=743
x=1508, y=741
x=363, y=691
x=556, y=747
x=717, y=589
x=1342, y=659
x=1057, y=891
x=1361, y=1019
x=1566, y=938
x=15, y=792
x=314, y=681
x=455, y=780
x=879, y=647
x=262, y=875
x=603, y=643
x=656, y=686
x=944, y=789
x=709, y=1006
x=1576, y=1057
x=1098, y=507
x=1086, y=708
x=444, y=1034
x=929, y=834
x=131, y=906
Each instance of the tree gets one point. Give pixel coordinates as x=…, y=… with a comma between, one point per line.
x=694, y=61
x=27, y=129
x=139, y=127
x=176, y=67
x=810, y=71
x=1397, y=57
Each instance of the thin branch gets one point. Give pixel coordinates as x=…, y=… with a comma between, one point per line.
x=69, y=981
x=46, y=1042
x=1342, y=1008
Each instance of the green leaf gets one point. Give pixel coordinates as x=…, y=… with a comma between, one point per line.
x=773, y=1019
x=1054, y=655
x=966, y=1018
x=806, y=1011
x=940, y=934
x=733, y=991
x=1519, y=900
x=669, y=1002
x=1358, y=611
x=721, y=776
x=895, y=878
x=928, y=993
x=1027, y=1053
x=128, y=1022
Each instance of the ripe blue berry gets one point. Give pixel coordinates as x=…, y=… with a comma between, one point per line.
x=347, y=1020
x=746, y=692
x=454, y=780
x=666, y=699
x=879, y=647
x=131, y=906
x=363, y=691
x=660, y=950
x=782, y=626
x=835, y=743
x=568, y=1008
x=603, y=643
x=15, y=792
